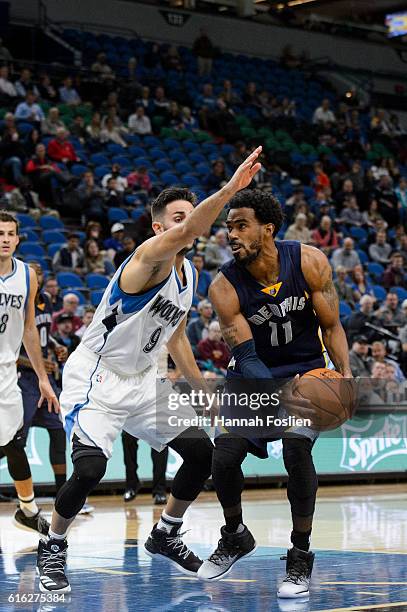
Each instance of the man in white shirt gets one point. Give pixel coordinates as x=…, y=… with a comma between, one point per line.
x=139, y=123
x=6, y=86
x=29, y=110
x=323, y=113
x=121, y=181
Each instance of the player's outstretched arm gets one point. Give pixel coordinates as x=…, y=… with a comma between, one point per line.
x=318, y=274
x=166, y=245
x=32, y=345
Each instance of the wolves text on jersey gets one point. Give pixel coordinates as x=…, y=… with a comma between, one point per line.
x=277, y=310
x=13, y=301
x=166, y=310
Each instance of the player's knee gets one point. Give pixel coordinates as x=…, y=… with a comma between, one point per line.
x=195, y=448
x=303, y=482
x=297, y=455
x=89, y=470
x=17, y=461
x=229, y=453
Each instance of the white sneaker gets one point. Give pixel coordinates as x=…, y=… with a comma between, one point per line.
x=86, y=509
x=299, y=568
x=231, y=548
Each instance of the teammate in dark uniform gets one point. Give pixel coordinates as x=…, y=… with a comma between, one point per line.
x=272, y=300
x=41, y=417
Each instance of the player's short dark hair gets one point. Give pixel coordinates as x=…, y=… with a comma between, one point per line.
x=6, y=217
x=266, y=207
x=171, y=195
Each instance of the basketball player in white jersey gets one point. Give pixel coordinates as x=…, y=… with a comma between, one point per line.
x=18, y=288
x=110, y=382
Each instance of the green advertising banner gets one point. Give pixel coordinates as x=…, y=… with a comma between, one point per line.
x=369, y=444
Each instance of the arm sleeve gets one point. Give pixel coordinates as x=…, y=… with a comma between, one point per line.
x=248, y=362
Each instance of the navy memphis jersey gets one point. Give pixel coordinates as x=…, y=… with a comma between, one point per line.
x=284, y=325
x=43, y=320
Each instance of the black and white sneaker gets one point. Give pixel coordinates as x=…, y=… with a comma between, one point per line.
x=51, y=563
x=231, y=548
x=36, y=523
x=299, y=569
x=171, y=547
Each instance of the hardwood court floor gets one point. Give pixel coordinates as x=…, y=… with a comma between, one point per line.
x=359, y=537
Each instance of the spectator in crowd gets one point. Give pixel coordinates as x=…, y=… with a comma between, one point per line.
x=204, y=278
x=53, y=292
x=92, y=198
x=87, y=319
x=139, y=123
x=113, y=194
x=61, y=150
x=24, y=200
x=217, y=177
x=214, y=348
x=145, y=100
x=139, y=180
x=217, y=251
x=78, y=129
x=70, y=305
x=94, y=129
x=197, y=329
x=395, y=274
x=324, y=236
x=65, y=334
x=239, y=154
x=359, y=360
x=12, y=151
x=30, y=110
x=70, y=257
x=188, y=121
x=96, y=261
x=115, y=242
x=101, y=69
x=403, y=329
x=345, y=256
x=344, y=194
x=360, y=285
x=47, y=89
x=343, y=288
x=357, y=176
x=5, y=55
x=372, y=215
x=25, y=84
x=31, y=141
x=299, y=230
x=7, y=90
x=379, y=354
x=321, y=180
x=129, y=246
x=205, y=52
x=380, y=250
x=401, y=194
x=351, y=216
x=42, y=171
x=68, y=93
x=53, y=122
x=94, y=232
x=160, y=103
x=323, y=113
x=356, y=322
x=111, y=133
x=387, y=200
x=390, y=314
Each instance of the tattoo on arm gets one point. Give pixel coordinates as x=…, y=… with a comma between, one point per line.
x=229, y=333
x=330, y=295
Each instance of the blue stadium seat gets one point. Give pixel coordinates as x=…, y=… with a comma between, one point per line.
x=31, y=248
x=40, y=260
x=96, y=296
x=188, y=180
x=183, y=167
x=25, y=221
x=100, y=171
x=169, y=178
x=158, y=154
x=178, y=155
x=96, y=281
x=78, y=169
x=197, y=158
x=50, y=236
x=69, y=279
x=136, y=213
x=122, y=160
x=191, y=145
x=98, y=159
x=29, y=235
x=24, y=128
x=358, y=233
x=344, y=309
x=379, y=292
x=115, y=149
x=48, y=223
x=364, y=259
x=152, y=141
x=117, y=214
x=202, y=169
x=80, y=295
x=53, y=248
x=162, y=165
x=375, y=269
x=400, y=291
x=136, y=151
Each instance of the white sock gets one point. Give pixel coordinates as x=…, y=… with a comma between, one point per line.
x=28, y=505
x=56, y=536
x=167, y=522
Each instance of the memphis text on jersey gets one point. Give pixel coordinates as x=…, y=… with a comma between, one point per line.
x=277, y=310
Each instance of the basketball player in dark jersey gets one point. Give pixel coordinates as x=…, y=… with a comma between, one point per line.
x=41, y=417
x=272, y=300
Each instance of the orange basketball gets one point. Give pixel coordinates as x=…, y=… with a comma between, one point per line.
x=331, y=396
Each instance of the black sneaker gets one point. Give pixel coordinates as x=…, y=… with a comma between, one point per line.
x=231, y=548
x=51, y=563
x=299, y=569
x=31, y=523
x=171, y=546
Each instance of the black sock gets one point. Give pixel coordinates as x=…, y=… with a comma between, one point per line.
x=301, y=539
x=60, y=479
x=233, y=522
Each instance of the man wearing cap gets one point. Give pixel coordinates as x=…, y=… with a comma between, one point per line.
x=65, y=335
x=360, y=362
x=115, y=243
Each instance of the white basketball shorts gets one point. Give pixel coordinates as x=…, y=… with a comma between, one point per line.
x=11, y=403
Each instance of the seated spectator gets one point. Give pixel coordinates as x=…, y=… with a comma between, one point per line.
x=360, y=285
x=92, y=198
x=204, y=278
x=70, y=305
x=145, y=100
x=53, y=292
x=52, y=122
x=390, y=314
x=387, y=200
x=217, y=178
x=23, y=199
x=207, y=97
x=299, y=230
x=94, y=232
x=372, y=215
x=321, y=180
x=68, y=93
x=351, y=216
x=160, y=103
x=401, y=194
x=115, y=242
x=172, y=59
x=121, y=181
x=31, y=141
x=5, y=55
x=239, y=154
x=343, y=288
x=173, y=118
x=345, y=193
x=356, y=322
x=345, y=256
x=113, y=194
x=380, y=250
x=70, y=257
x=113, y=114
x=47, y=90
x=395, y=275
x=357, y=176
x=25, y=84
x=7, y=89
x=94, y=129
x=188, y=121
x=87, y=319
x=197, y=329
x=77, y=128
x=96, y=261
x=231, y=96
x=324, y=236
x=214, y=348
x=129, y=246
x=323, y=113
x=110, y=133
x=218, y=251
x=61, y=150
x=29, y=110
x=42, y=171
x=65, y=332
x=101, y=68
x=359, y=360
x=380, y=123
x=139, y=123
x=403, y=329
x=379, y=354
x=139, y=180
x=12, y=151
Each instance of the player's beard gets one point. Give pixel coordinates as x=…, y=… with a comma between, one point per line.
x=250, y=254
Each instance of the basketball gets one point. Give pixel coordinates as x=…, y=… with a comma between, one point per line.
x=331, y=396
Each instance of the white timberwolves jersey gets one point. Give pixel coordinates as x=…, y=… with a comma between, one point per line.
x=14, y=290
x=128, y=331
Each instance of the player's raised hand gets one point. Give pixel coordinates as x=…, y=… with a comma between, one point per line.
x=48, y=395
x=246, y=171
